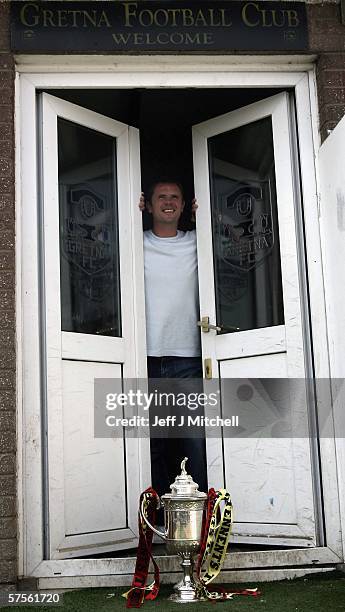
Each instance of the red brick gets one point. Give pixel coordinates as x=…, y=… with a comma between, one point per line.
x=7, y=421
x=6, y=166
x=331, y=60
x=326, y=32
x=7, y=260
x=6, y=62
x=7, y=339
x=6, y=207
x=7, y=185
x=6, y=113
x=5, y=39
x=7, y=358
x=331, y=112
x=7, y=401
x=8, y=485
x=6, y=221
x=330, y=73
x=7, y=80
x=6, y=319
x=331, y=95
x=7, y=279
x=6, y=149
x=7, y=379
x=7, y=240
x=7, y=443
x=7, y=506
x=8, y=527
x=331, y=78
x=6, y=131
x=4, y=26
x=7, y=464
x=8, y=571
x=7, y=298
x=6, y=96
x=329, y=42
x=8, y=549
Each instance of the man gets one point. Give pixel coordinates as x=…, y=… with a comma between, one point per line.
x=172, y=312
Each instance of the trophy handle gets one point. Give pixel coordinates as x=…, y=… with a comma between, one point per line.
x=161, y=534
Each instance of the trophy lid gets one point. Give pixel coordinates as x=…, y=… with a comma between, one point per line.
x=184, y=485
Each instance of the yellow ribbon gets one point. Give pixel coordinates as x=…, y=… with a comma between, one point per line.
x=216, y=546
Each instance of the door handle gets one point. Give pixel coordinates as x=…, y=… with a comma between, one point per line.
x=206, y=326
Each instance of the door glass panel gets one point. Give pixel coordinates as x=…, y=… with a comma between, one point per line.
x=245, y=228
x=89, y=247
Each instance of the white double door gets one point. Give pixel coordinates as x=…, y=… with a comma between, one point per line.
x=94, y=322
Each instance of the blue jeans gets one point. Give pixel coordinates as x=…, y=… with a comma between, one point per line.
x=167, y=453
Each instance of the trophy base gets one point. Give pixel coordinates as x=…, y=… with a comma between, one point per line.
x=185, y=592
x=184, y=598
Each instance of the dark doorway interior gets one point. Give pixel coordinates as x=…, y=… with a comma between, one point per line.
x=165, y=118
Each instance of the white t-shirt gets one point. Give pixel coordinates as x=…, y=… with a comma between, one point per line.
x=171, y=295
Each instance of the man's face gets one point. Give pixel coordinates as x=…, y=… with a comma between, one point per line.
x=166, y=204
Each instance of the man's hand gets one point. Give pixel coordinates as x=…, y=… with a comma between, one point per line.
x=142, y=202
x=194, y=209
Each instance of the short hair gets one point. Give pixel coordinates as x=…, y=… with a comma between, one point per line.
x=164, y=180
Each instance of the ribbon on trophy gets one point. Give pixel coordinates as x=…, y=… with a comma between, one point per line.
x=213, y=547
x=139, y=591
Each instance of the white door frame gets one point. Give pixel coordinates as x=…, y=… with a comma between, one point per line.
x=35, y=72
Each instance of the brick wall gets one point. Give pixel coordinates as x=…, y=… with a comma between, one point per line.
x=327, y=40
x=8, y=522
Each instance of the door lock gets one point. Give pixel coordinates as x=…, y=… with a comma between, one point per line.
x=208, y=368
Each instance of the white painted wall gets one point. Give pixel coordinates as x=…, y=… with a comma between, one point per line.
x=332, y=223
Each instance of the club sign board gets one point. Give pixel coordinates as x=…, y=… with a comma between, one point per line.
x=194, y=26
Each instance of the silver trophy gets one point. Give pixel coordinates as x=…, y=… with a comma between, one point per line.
x=184, y=510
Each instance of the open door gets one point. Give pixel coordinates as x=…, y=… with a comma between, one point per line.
x=91, y=178
x=250, y=289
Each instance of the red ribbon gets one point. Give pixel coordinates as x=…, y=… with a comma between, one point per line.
x=136, y=595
